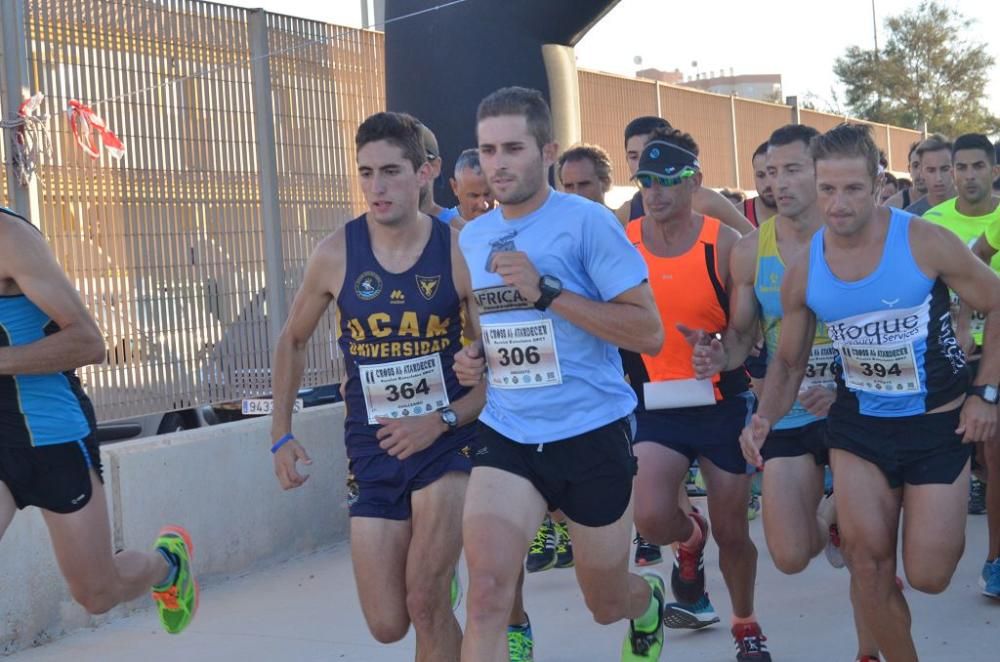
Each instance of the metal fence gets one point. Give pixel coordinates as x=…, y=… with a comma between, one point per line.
x=727, y=129
x=238, y=163
x=168, y=246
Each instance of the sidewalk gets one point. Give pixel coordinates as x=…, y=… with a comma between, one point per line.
x=307, y=610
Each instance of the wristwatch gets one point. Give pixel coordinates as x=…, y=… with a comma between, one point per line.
x=988, y=392
x=551, y=287
x=449, y=418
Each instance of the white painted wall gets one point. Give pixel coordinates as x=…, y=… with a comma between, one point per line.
x=218, y=482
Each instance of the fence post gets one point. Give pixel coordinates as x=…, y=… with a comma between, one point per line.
x=793, y=101
x=15, y=85
x=888, y=146
x=659, y=102
x=736, y=143
x=267, y=166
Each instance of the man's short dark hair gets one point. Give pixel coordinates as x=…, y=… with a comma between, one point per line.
x=675, y=137
x=593, y=153
x=792, y=133
x=934, y=143
x=523, y=101
x=397, y=129
x=847, y=141
x=640, y=126
x=976, y=141
x=760, y=151
x=913, y=148
x=890, y=178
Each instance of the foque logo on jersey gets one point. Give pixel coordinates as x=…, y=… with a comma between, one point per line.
x=500, y=298
x=368, y=286
x=884, y=327
x=502, y=244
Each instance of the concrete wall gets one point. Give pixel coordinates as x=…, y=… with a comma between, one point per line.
x=218, y=482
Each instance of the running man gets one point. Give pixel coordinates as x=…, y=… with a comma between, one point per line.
x=470, y=188
x=706, y=200
x=763, y=206
x=558, y=288
x=400, y=286
x=908, y=195
x=935, y=172
x=975, y=217
x=795, y=452
x=49, y=457
x=900, y=427
x=427, y=203
x=681, y=419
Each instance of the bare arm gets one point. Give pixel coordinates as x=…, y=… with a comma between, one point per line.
x=323, y=278
x=471, y=404
x=26, y=260
x=744, y=313
x=798, y=328
x=630, y=320
x=941, y=253
x=623, y=212
x=712, y=203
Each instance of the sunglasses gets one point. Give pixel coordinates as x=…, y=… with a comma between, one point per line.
x=646, y=180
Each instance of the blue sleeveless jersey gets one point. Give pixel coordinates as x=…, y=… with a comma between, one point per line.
x=38, y=410
x=898, y=352
x=389, y=322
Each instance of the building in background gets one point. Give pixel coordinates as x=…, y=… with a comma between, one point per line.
x=762, y=87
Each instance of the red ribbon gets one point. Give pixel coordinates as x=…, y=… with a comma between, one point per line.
x=85, y=123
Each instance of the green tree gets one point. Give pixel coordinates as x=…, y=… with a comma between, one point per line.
x=927, y=72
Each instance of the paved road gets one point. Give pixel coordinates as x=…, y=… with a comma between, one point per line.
x=307, y=610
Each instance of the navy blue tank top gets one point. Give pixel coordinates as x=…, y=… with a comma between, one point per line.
x=399, y=333
x=38, y=410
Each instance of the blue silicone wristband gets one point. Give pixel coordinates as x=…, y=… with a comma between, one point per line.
x=281, y=442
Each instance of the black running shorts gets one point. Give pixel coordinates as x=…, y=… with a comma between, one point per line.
x=55, y=478
x=588, y=477
x=916, y=450
x=809, y=439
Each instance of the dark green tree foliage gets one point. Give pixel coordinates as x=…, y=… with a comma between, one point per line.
x=927, y=72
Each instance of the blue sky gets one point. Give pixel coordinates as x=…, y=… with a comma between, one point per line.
x=796, y=39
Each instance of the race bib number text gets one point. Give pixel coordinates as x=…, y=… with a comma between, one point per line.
x=879, y=369
x=521, y=355
x=403, y=388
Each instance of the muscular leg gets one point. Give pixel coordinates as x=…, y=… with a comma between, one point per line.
x=727, y=508
x=658, y=515
x=868, y=518
x=518, y=616
x=97, y=578
x=435, y=546
x=378, y=551
x=7, y=508
x=501, y=516
x=934, y=532
x=793, y=487
x=601, y=556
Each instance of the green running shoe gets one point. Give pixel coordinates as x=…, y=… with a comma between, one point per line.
x=564, y=546
x=542, y=553
x=638, y=645
x=178, y=602
x=520, y=643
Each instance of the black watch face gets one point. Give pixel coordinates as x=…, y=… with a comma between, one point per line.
x=551, y=283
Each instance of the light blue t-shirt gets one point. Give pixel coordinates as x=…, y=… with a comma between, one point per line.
x=447, y=214
x=549, y=379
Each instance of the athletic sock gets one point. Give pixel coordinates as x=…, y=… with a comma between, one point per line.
x=743, y=620
x=650, y=619
x=174, y=564
x=693, y=543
